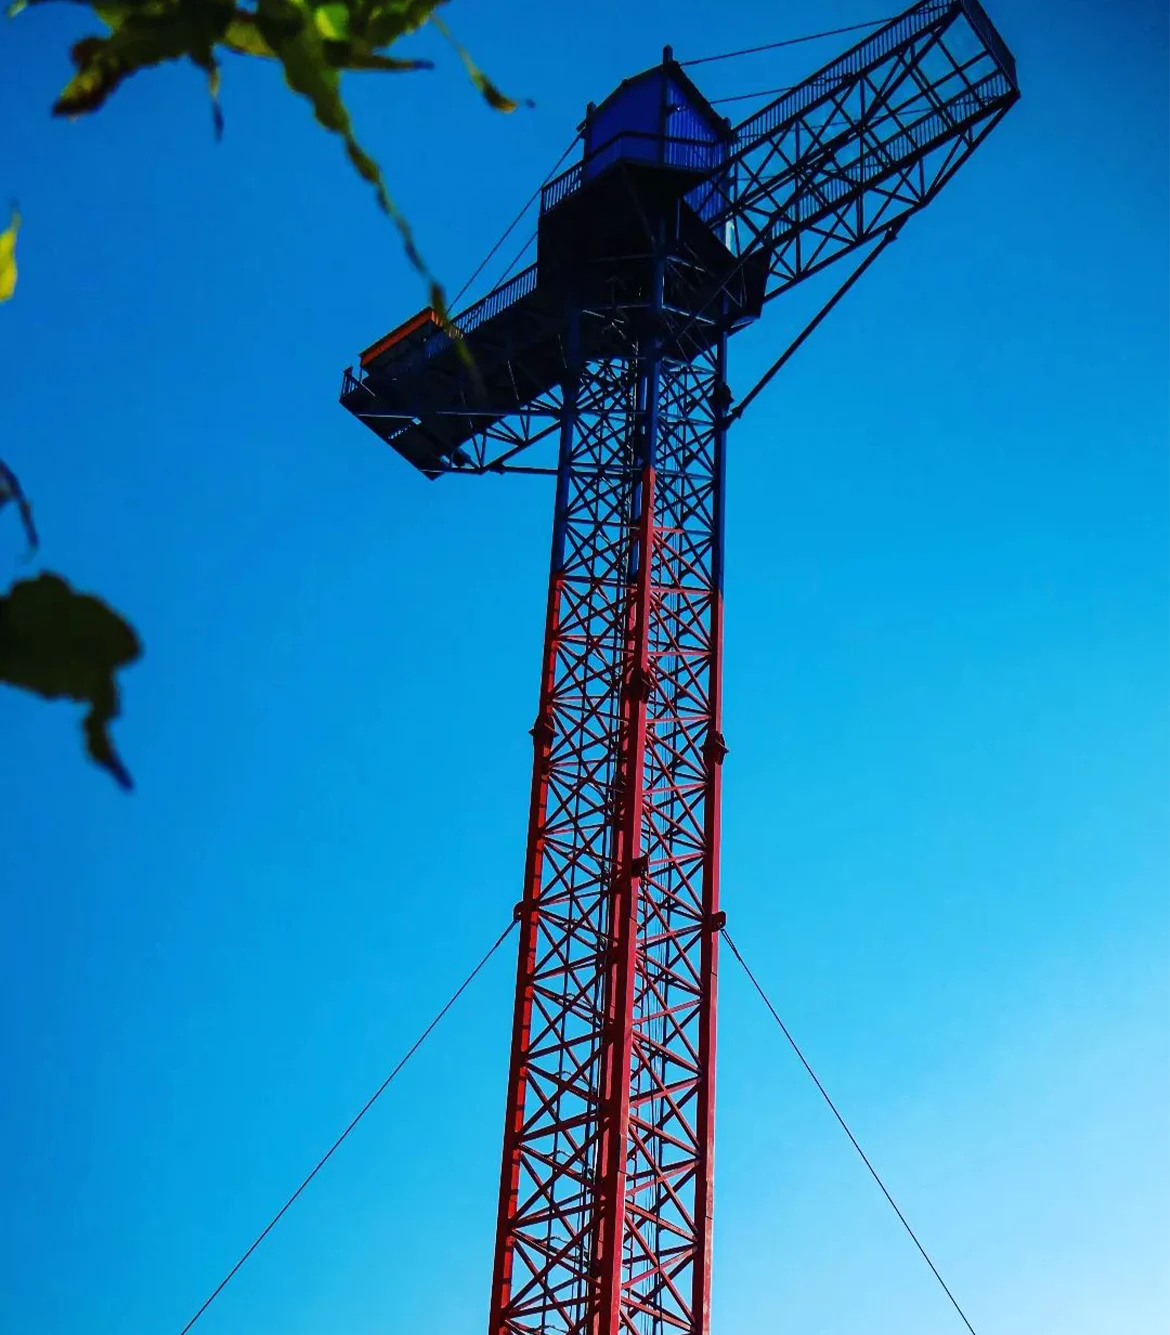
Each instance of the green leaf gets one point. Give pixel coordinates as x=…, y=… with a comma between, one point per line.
x=60, y=644
x=11, y=490
x=244, y=37
x=314, y=40
x=141, y=37
x=383, y=24
x=495, y=99
x=285, y=26
x=347, y=56
x=8, y=257
x=332, y=21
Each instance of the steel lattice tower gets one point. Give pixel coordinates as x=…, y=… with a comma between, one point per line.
x=671, y=233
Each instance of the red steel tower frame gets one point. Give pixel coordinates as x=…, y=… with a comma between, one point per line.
x=605, y=1199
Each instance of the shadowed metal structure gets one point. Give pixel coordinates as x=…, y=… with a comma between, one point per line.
x=672, y=232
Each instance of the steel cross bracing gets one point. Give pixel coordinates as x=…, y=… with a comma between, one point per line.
x=605, y=1208
x=868, y=140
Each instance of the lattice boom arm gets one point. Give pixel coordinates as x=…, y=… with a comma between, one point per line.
x=866, y=141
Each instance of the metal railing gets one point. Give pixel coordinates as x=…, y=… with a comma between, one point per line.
x=837, y=185
x=986, y=32
x=496, y=301
x=414, y=355
x=869, y=52
x=866, y=53
x=704, y=155
x=561, y=187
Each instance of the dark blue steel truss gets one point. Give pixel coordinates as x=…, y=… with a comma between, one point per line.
x=823, y=171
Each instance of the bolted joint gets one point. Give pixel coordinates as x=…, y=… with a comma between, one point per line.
x=716, y=748
x=518, y=911
x=718, y=922
x=639, y=684
x=543, y=731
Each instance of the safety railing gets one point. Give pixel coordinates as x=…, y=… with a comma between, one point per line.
x=869, y=52
x=496, y=301
x=985, y=30
x=702, y=155
x=561, y=187
x=835, y=183
x=414, y=355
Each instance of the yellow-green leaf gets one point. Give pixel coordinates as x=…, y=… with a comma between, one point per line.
x=8, y=257
x=332, y=21
x=495, y=99
x=315, y=41
x=244, y=37
x=383, y=24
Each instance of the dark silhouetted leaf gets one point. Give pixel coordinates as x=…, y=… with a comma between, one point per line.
x=60, y=644
x=11, y=490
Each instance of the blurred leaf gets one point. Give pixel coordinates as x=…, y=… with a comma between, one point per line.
x=11, y=490
x=61, y=644
x=141, y=36
x=383, y=24
x=491, y=94
x=332, y=21
x=245, y=38
x=314, y=40
x=8, y=257
x=308, y=70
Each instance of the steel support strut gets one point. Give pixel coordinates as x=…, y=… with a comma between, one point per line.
x=606, y=1188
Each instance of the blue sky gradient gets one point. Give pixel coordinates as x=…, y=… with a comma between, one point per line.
x=946, y=839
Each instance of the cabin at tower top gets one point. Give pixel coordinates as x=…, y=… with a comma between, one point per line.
x=654, y=173
x=656, y=120
x=659, y=118
x=651, y=143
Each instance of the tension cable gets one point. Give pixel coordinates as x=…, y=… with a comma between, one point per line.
x=487, y=259
x=747, y=97
x=329, y=1153
x=791, y=41
x=824, y=1093
x=890, y=235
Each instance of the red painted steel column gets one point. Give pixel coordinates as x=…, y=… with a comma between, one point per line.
x=529, y=910
x=715, y=753
x=629, y=867
x=605, y=1195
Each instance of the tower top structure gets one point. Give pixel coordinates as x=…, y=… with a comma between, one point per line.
x=822, y=170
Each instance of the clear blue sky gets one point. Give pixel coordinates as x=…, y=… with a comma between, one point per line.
x=946, y=810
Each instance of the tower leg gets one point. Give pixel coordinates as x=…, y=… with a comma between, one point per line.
x=606, y=1188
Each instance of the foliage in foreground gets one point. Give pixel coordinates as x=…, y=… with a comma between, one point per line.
x=60, y=644
x=315, y=42
x=8, y=259
x=54, y=641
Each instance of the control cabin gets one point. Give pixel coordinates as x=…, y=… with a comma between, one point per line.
x=653, y=149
